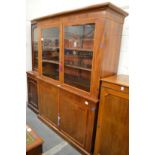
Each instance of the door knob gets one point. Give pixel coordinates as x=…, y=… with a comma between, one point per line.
x=122, y=88
x=86, y=102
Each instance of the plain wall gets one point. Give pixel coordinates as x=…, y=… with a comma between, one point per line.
x=38, y=8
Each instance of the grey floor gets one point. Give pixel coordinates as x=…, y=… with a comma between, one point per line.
x=53, y=143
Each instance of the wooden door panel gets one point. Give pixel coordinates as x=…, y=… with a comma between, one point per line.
x=73, y=116
x=48, y=102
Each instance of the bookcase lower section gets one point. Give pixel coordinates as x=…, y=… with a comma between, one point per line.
x=69, y=113
x=72, y=116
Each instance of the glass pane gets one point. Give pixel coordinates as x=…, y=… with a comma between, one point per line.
x=50, y=52
x=51, y=70
x=78, y=54
x=77, y=78
x=35, y=46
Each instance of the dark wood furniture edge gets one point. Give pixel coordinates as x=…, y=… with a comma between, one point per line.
x=39, y=141
x=68, y=139
x=97, y=6
x=38, y=145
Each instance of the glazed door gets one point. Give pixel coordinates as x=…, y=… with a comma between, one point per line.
x=34, y=37
x=32, y=94
x=48, y=102
x=51, y=51
x=78, y=55
x=113, y=124
x=73, y=117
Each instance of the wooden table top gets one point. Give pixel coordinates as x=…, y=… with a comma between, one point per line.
x=32, y=139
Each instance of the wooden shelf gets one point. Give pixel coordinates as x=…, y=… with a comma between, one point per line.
x=78, y=83
x=77, y=67
x=50, y=49
x=79, y=49
x=51, y=61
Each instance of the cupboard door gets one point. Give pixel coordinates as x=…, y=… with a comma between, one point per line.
x=73, y=117
x=48, y=102
x=34, y=47
x=50, y=52
x=32, y=94
x=78, y=55
x=113, y=124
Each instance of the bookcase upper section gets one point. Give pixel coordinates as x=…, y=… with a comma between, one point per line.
x=77, y=48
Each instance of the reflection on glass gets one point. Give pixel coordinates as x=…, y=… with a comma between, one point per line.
x=78, y=54
x=80, y=36
x=50, y=52
x=35, y=46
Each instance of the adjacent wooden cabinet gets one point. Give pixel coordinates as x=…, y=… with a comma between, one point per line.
x=71, y=52
x=112, y=136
